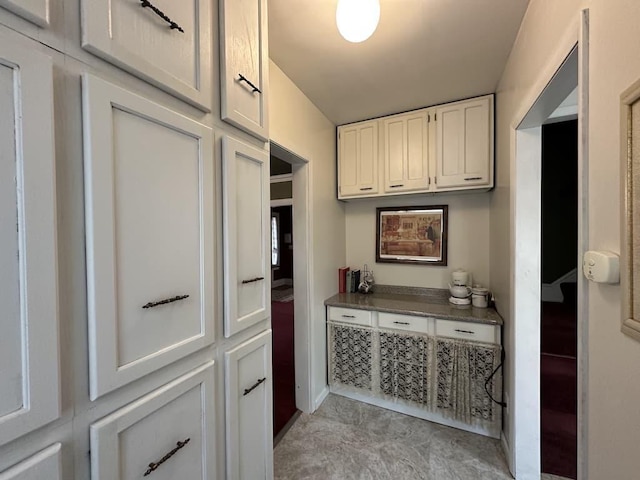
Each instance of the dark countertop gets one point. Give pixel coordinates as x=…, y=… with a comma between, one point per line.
x=431, y=305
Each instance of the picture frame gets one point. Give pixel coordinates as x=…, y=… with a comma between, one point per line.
x=630, y=211
x=416, y=235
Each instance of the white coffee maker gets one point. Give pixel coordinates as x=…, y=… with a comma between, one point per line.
x=460, y=287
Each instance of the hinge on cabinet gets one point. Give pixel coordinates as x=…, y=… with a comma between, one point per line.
x=428, y=118
x=435, y=117
x=429, y=181
x=435, y=180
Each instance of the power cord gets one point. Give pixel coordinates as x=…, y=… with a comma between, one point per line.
x=486, y=383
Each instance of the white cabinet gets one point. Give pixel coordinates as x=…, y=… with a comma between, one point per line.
x=149, y=227
x=244, y=62
x=246, y=235
x=29, y=371
x=169, y=433
x=464, y=144
x=435, y=149
x=164, y=42
x=406, y=152
x=358, y=159
x=36, y=11
x=249, y=401
x=43, y=465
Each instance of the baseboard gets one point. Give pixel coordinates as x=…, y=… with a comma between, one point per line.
x=286, y=428
x=506, y=451
x=320, y=398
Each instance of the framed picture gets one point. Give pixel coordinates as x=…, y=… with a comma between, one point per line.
x=412, y=235
x=630, y=221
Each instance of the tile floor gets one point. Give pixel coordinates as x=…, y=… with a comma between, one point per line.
x=349, y=440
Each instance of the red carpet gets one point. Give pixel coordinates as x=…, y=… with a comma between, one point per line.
x=559, y=390
x=284, y=388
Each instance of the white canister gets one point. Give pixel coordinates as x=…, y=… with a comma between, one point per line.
x=480, y=297
x=460, y=277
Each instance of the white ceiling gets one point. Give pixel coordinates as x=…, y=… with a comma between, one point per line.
x=424, y=52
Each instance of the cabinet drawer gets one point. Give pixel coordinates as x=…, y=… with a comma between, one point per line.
x=249, y=410
x=351, y=315
x=468, y=331
x=133, y=36
x=44, y=464
x=149, y=215
x=405, y=322
x=168, y=433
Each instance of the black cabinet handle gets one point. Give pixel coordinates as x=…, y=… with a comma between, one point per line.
x=348, y=316
x=366, y=188
x=153, y=466
x=247, y=391
x=402, y=323
x=165, y=301
x=245, y=79
x=465, y=331
x=172, y=25
x=257, y=279
x=472, y=178
x=396, y=186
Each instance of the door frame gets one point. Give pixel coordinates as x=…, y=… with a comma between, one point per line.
x=569, y=63
x=302, y=274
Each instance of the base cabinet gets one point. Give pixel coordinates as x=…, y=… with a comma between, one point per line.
x=43, y=465
x=168, y=433
x=249, y=414
x=445, y=379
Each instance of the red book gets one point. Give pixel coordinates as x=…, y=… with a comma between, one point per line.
x=342, y=279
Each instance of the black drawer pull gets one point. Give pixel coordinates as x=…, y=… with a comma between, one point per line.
x=396, y=186
x=164, y=302
x=402, y=323
x=472, y=178
x=247, y=391
x=465, y=331
x=153, y=466
x=172, y=25
x=253, y=280
x=366, y=188
x=348, y=316
x=245, y=79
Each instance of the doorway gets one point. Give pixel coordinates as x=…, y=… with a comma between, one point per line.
x=282, y=295
x=559, y=307
x=294, y=287
x=570, y=70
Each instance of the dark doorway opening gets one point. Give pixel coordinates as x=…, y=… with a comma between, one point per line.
x=558, y=367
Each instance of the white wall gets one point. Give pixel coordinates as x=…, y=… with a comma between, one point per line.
x=613, y=382
x=468, y=245
x=296, y=124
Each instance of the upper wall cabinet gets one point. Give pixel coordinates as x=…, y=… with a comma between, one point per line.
x=149, y=228
x=358, y=159
x=406, y=152
x=464, y=144
x=36, y=11
x=246, y=233
x=29, y=372
x=436, y=149
x=164, y=42
x=244, y=60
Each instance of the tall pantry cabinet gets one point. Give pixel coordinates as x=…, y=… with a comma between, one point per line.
x=121, y=355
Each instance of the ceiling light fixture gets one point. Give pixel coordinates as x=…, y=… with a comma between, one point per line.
x=357, y=19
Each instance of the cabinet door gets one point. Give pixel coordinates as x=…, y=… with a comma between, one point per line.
x=244, y=61
x=168, y=434
x=406, y=153
x=358, y=159
x=464, y=144
x=43, y=465
x=29, y=372
x=247, y=266
x=149, y=227
x=36, y=11
x=133, y=35
x=249, y=410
